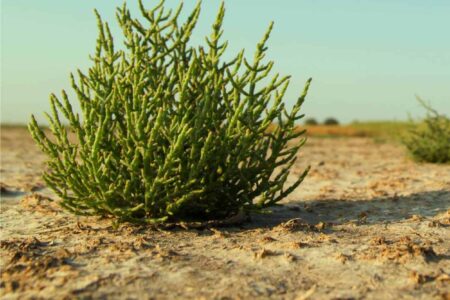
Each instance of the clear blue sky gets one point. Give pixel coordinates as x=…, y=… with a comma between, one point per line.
x=367, y=58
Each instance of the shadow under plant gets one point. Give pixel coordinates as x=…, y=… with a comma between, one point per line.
x=364, y=211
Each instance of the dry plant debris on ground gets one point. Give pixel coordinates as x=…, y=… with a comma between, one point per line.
x=366, y=223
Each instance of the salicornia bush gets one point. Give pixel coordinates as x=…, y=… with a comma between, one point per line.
x=430, y=141
x=169, y=131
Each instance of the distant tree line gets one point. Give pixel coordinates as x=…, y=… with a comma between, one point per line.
x=327, y=121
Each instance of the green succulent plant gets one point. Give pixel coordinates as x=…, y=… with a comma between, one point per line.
x=171, y=132
x=429, y=141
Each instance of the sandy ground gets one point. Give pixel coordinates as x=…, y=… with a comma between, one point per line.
x=367, y=223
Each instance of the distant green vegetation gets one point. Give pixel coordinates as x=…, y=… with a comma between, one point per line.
x=311, y=122
x=382, y=131
x=331, y=121
x=392, y=130
x=13, y=126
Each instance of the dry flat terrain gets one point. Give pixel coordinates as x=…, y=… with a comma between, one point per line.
x=367, y=223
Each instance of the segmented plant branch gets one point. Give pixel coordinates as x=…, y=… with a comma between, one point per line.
x=170, y=131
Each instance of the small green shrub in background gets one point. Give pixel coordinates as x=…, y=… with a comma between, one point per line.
x=169, y=131
x=331, y=121
x=311, y=122
x=429, y=141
